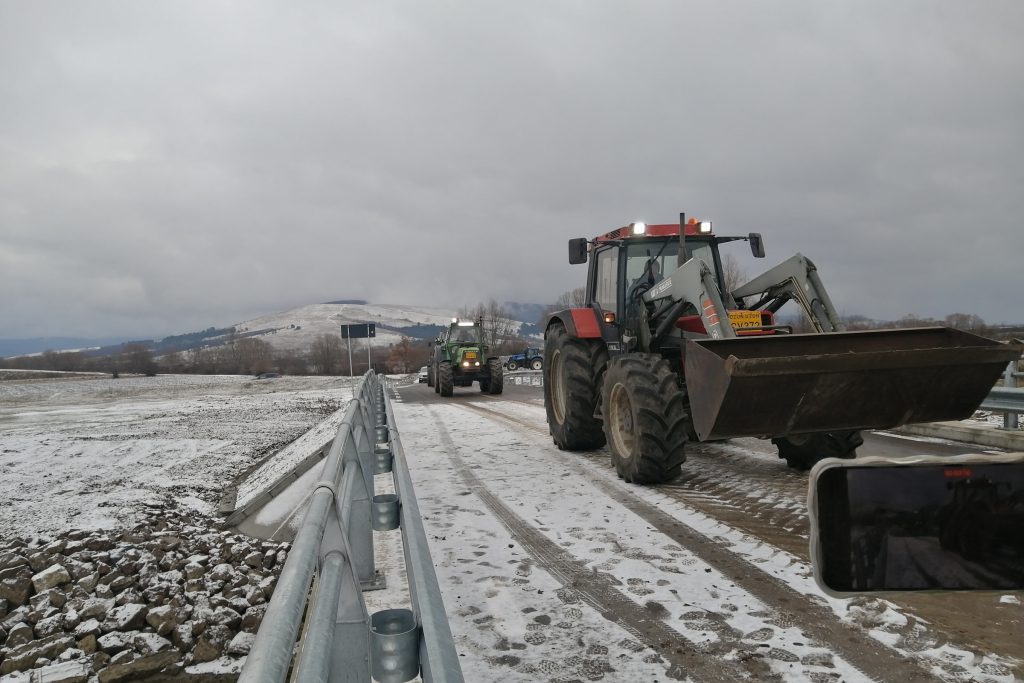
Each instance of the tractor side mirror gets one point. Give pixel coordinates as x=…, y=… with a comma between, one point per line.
x=578, y=250
x=756, y=244
x=922, y=523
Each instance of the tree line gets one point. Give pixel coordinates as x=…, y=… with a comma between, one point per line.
x=328, y=354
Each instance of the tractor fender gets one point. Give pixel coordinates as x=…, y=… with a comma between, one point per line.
x=578, y=322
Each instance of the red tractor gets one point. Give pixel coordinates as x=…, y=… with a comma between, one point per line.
x=652, y=362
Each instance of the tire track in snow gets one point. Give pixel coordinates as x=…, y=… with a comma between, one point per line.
x=754, y=493
x=601, y=592
x=817, y=620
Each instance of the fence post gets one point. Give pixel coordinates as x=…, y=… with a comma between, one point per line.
x=1010, y=381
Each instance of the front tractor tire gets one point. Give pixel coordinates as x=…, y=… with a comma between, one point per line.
x=496, y=382
x=445, y=379
x=645, y=418
x=512, y=366
x=802, y=451
x=572, y=389
x=430, y=376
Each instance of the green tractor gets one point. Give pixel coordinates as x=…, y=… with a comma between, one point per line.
x=461, y=358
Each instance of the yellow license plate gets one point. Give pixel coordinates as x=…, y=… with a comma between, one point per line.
x=470, y=354
x=745, y=318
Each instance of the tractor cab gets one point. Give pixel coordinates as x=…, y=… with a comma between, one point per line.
x=629, y=262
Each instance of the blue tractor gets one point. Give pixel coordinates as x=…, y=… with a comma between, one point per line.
x=527, y=358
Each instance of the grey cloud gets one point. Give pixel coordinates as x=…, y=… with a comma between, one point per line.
x=170, y=166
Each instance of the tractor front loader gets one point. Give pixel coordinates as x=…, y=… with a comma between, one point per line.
x=651, y=363
x=461, y=358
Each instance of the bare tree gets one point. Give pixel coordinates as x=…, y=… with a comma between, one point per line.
x=254, y=356
x=573, y=298
x=325, y=354
x=172, y=362
x=499, y=332
x=400, y=359
x=138, y=358
x=291, y=363
x=968, y=322
x=733, y=274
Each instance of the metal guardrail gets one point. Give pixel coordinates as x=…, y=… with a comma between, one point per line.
x=340, y=641
x=1007, y=399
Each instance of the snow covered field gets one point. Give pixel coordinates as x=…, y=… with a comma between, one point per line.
x=87, y=453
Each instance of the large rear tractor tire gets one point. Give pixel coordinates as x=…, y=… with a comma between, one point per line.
x=445, y=379
x=572, y=389
x=496, y=384
x=536, y=364
x=802, y=451
x=645, y=419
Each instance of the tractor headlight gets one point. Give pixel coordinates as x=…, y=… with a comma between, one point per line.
x=465, y=363
x=638, y=228
x=478, y=363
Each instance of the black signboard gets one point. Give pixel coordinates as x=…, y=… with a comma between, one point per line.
x=358, y=331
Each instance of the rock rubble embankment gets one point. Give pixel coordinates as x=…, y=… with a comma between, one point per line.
x=168, y=598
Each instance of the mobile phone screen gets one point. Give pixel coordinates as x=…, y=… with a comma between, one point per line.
x=921, y=527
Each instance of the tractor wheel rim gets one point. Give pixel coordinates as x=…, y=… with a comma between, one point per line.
x=623, y=427
x=558, y=390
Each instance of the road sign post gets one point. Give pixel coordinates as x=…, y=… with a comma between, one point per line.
x=359, y=331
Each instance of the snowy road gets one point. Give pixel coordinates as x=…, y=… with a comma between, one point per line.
x=554, y=569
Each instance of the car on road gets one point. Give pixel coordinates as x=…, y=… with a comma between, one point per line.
x=423, y=375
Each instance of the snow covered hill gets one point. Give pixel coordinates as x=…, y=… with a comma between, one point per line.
x=296, y=329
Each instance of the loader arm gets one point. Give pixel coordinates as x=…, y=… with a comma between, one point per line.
x=694, y=283
x=795, y=278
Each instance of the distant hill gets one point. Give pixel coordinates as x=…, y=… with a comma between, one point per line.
x=21, y=347
x=530, y=314
x=294, y=329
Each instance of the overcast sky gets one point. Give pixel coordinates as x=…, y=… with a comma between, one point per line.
x=167, y=166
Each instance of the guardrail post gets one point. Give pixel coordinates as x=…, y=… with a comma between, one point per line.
x=1010, y=381
x=341, y=642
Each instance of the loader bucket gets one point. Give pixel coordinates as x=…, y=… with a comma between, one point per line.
x=771, y=386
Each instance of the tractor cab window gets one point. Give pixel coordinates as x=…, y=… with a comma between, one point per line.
x=606, y=279
x=464, y=334
x=639, y=253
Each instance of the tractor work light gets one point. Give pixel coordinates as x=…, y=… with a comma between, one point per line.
x=705, y=226
x=466, y=323
x=638, y=228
